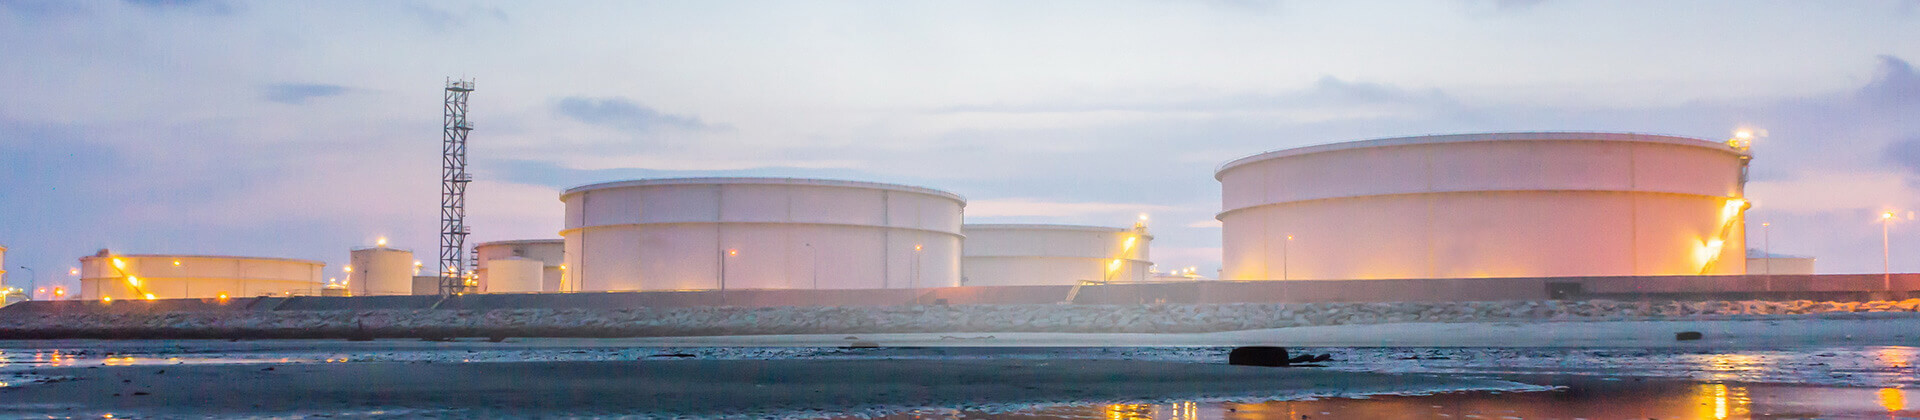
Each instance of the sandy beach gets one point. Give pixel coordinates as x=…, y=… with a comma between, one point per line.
x=747, y=388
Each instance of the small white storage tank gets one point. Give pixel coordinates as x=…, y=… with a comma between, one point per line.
x=515, y=275
x=550, y=252
x=1042, y=255
x=134, y=276
x=380, y=271
x=760, y=233
x=1486, y=205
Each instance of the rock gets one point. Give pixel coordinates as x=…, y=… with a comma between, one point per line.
x=1688, y=336
x=1258, y=356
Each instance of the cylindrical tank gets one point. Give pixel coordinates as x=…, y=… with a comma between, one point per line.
x=760, y=233
x=123, y=276
x=380, y=271
x=1043, y=255
x=1486, y=205
x=550, y=252
x=515, y=275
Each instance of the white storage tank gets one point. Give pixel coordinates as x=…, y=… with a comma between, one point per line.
x=380, y=271
x=760, y=233
x=1045, y=255
x=1486, y=205
x=550, y=252
x=137, y=276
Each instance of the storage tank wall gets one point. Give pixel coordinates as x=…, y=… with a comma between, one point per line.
x=769, y=234
x=515, y=275
x=1497, y=205
x=381, y=271
x=1029, y=255
x=196, y=276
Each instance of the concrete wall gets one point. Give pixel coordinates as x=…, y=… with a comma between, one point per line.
x=1488, y=205
x=762, y=233
x=1035, y=255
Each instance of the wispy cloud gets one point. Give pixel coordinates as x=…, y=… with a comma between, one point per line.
x=214, y=7
x=1032, y=207
x=300, y=93
x=624, y=114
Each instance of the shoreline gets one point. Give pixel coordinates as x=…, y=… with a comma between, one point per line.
x=705, y=388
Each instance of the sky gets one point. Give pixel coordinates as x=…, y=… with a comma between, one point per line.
x=302, y=129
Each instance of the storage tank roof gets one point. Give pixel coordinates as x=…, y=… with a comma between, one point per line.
x=763, y=181
x=522, y=242
x=223, y=257
x=1478, y=137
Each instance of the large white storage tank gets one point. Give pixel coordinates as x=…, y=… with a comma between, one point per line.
x=551, y=253
x=760, y=233
x=135, y=276
x=380, y=271
x=1046, y=255
x=1486, y=205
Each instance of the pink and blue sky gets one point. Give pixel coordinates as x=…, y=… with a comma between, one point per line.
x=300, y=129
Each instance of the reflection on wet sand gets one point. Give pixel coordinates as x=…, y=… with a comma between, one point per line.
x=1584, y=398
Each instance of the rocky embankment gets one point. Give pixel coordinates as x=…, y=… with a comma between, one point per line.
x=643, y=322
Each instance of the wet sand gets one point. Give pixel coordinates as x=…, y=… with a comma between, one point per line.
x=753, y=388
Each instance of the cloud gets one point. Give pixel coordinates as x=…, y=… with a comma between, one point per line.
x=300, y=93
x=1029, y=207
x=1205, y=224
x=1894, y=84
x=624, y=114
x=443, y=19
x=212, y=7
x=1327, y=93
x=44, y=8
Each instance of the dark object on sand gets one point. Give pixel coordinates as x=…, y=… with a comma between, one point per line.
x=1258, y=356
x=1271, y=356
x=1688, y=336
x=496, y=339
x=674, y=355
x=863, y=345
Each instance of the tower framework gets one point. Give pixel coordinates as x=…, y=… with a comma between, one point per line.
x=453, y=188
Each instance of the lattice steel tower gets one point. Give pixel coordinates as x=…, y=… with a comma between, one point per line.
x=453, y=188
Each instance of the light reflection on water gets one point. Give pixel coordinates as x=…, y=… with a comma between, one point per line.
x=1594, y=400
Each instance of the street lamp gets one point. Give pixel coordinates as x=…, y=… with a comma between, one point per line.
x=33, y=280
x=1285, y=259
x=1886, y=250
x=729, y=252
x=1766, y=247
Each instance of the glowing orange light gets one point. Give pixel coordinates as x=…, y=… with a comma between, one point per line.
x=1893, y=399
x=149, y=296
x=916, y=247
x=106, y=299
x=117, y=263
x=733, y=252
x=176, y=263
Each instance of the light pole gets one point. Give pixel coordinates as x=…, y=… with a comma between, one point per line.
x=916, y=267
x=1285, y=259
x=1886, y=250
x=730, y=252
x=33, y=281
x=1766, y=247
